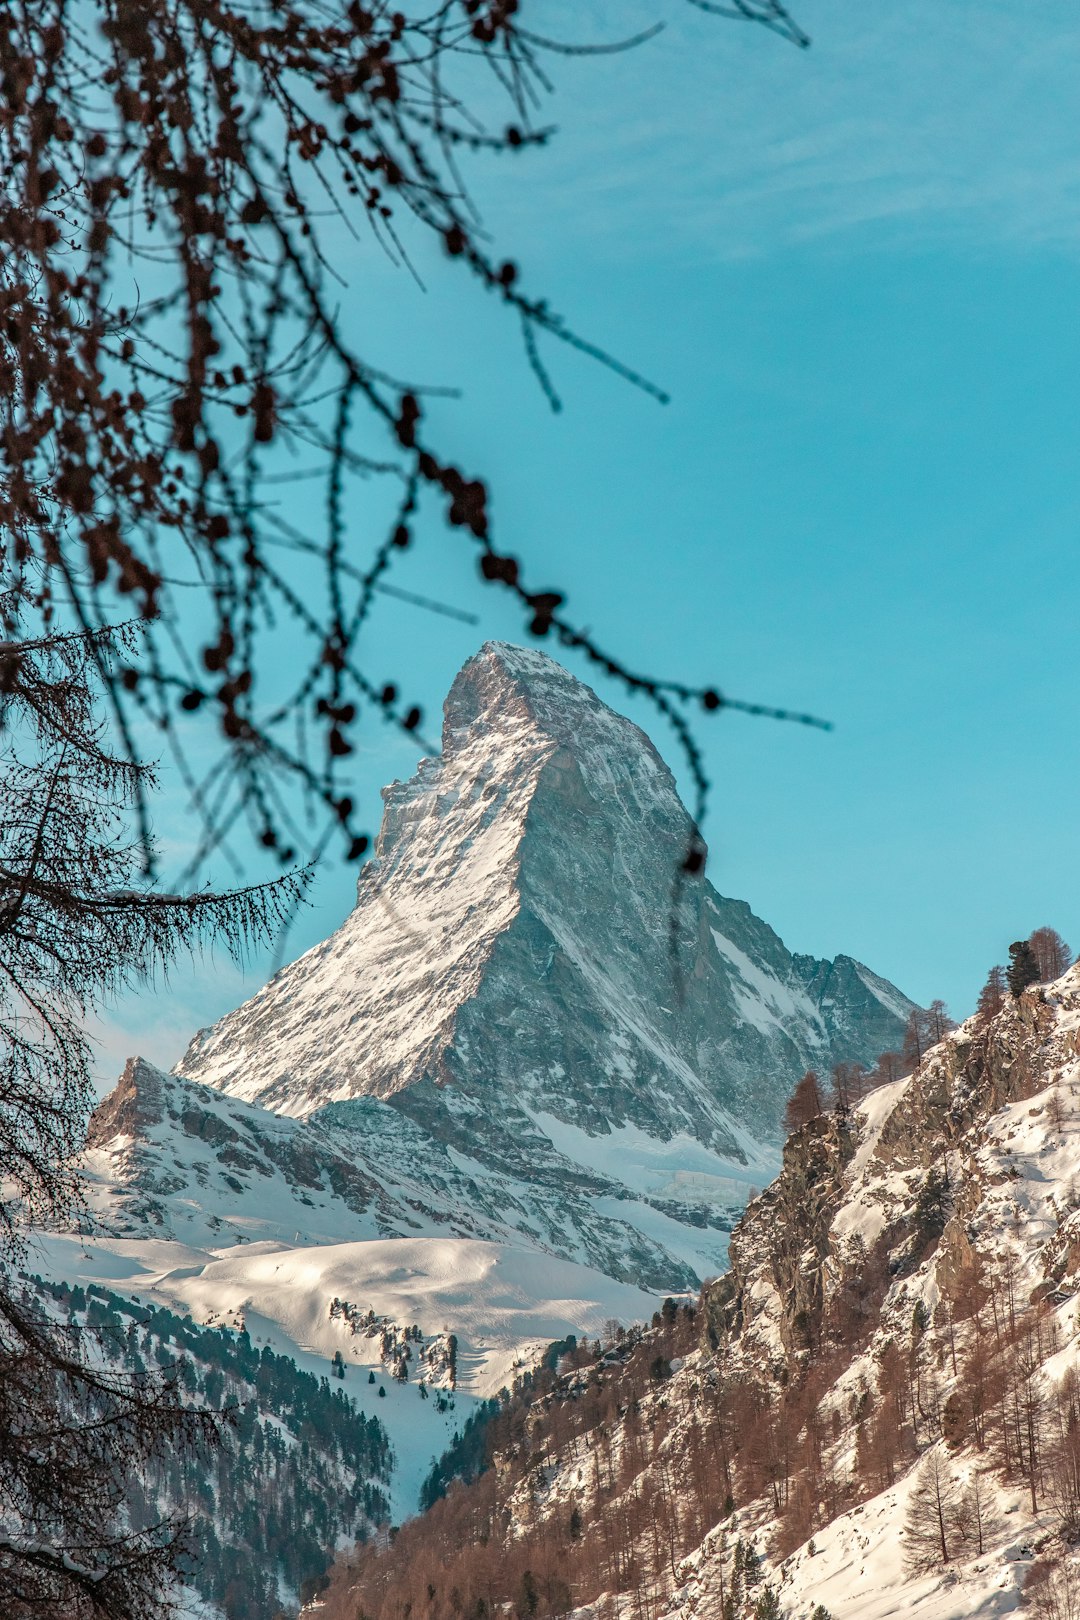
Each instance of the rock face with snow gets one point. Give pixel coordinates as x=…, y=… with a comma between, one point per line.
x=170, y=1159
x=981, y=1142
x=527, y=996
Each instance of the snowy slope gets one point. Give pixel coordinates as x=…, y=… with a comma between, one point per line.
x=168, y=1157
x=505, y=1305
x=220, y=1209
x=494, y=1102
x=997, y=1109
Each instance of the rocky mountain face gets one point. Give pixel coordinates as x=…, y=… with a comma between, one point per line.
x=528, y=1018
x=975, y=1146
x=169, y=1159
x=876, y=1410
x=520, y=1095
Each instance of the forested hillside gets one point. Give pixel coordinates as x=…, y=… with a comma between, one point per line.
x=879, y=1403
x=292, y=1470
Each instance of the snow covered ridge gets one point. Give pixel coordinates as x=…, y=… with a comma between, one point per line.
x=503, y=1005
x=930, y=1249
x=877, y=1410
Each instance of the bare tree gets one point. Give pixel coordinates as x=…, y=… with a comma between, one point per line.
x=932, y=1528
x=991, y=996
x=974, y=1514
x=201, y=148
x=889, y=1067
x=1064, y=1456
x=916, y=1039
x=1052, y=1591
x=848, y=1084
x=805, y=1103
x=1051, y=953
x=938, y=1022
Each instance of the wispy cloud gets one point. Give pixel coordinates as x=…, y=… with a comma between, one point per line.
x=925, y=120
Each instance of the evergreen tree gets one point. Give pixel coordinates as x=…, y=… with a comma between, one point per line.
x=1023, y=967
x=767, y=1606
x=79, y=920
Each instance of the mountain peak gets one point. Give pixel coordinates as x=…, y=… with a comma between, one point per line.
x=502, y=670
x=505, y=689
x=503, y=681
x=523, y=981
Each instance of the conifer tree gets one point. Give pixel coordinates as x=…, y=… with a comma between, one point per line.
x=1023, y=968
x=767, y=1606
x=77, y=922
x=78, y=919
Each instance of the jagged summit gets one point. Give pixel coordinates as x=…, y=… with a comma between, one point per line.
x=506, y=988
x=503, y=681
x=524, y=743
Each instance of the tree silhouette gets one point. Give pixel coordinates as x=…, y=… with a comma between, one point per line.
x=76, y=923
x=197, y=150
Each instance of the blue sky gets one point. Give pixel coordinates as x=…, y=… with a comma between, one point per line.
x=855, y=270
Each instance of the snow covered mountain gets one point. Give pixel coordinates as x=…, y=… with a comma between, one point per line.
x=527, y=1019
x=496, y=1106
x=875, y=1411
